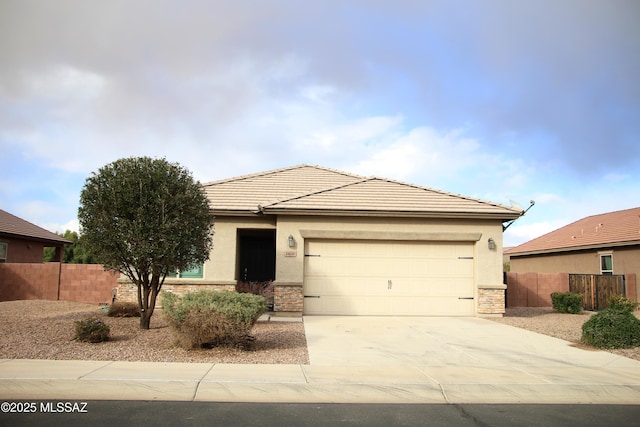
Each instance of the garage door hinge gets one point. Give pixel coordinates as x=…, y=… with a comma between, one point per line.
x=465, y=297
x=312, y=296
x=465, y=257
x=310, y=255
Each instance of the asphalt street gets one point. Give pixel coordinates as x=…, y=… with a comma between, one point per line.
x=141, y=413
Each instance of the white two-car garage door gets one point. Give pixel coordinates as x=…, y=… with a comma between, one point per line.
x=356, y=277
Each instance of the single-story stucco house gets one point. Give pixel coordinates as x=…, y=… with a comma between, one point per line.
x=341, y=244
x=24, y=242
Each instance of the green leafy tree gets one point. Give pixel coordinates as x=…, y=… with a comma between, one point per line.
x=145, y=218
x=74, y=253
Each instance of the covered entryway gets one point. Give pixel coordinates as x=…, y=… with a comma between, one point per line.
x=373, y=277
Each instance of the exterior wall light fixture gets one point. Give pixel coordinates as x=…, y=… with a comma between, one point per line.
x=492, y=244
x=292, y=241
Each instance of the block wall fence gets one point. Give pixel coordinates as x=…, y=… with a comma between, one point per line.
x=87, y=283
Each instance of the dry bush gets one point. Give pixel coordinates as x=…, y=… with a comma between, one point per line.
x=124, y=309
x=208, y=318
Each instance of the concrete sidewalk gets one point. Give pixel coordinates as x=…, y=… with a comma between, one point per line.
x=94, y=380
x=359, y=360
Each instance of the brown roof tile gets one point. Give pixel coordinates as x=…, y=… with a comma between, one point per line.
x=608, y=229
x=314, y=189
x=12, y=226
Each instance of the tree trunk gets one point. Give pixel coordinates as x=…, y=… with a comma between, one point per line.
x=148, y=301
x=145, y=319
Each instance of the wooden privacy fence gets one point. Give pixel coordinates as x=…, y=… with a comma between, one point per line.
x=596, y=289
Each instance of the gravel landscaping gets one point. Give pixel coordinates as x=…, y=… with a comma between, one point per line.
x=37, y=329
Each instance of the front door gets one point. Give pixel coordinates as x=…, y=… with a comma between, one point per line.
x=257, y=255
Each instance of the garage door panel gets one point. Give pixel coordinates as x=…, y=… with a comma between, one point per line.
x=352, y=286
x=428, y=288
x=394, y=278
x=339, y=266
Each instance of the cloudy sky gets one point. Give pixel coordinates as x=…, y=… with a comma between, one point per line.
x=501, y=100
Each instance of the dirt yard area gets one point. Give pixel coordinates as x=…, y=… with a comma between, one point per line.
x=37, y=329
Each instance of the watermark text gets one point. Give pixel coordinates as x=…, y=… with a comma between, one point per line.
x=48, y=407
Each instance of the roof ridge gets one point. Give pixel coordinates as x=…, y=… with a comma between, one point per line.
x=605, y=214
x=319, y=191
x=447, y=193
x=274, y=171
x=253, y=175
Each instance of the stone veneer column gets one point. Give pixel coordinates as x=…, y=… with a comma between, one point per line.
x=491, y=300
x=288, y=298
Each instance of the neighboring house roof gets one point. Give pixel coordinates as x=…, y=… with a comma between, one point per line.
x=619, y=228
x=307, y=189
x=12, y=226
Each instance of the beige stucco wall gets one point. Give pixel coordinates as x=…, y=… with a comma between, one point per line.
x=625, y=261
x=221, y=266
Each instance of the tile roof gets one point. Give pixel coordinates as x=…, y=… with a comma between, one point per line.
x=609, y=229
x=307, y=189
x=12, y=226
x=246, y=193
x=379, y=195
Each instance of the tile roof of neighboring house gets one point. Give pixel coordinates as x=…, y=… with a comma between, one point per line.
x=12, y=226
x=609, y=229
x=306, y=189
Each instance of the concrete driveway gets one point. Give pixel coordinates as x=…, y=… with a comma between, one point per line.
x=467, y=359
x=444, y=342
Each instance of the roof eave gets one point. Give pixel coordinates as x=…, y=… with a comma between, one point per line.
x=393, y=214
x=57, y=242
x=235, y=212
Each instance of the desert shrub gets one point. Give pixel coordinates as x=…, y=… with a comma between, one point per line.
x=620, y=302
x=211, y=318
x=612, y=328
x=264, y=289
x=92, y=329
x=567, y=302
x=124, y=309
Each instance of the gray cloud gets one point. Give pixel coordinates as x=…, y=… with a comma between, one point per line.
x=566, y=70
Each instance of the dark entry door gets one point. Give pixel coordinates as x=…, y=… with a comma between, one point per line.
x=257, y=255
